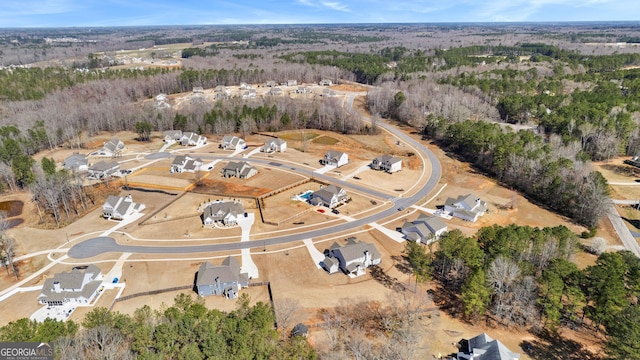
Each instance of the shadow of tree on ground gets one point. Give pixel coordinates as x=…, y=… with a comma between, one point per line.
x=549, y=346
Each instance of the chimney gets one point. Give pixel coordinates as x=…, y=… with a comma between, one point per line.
x=56, y=286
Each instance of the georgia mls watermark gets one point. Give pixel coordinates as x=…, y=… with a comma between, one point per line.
x=26, y=351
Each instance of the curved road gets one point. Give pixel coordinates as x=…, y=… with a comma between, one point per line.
x=97, y=246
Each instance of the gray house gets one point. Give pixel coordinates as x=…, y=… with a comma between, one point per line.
x=102, y=170
x=329, y=196
x=225, y=279
x=239, y=169
x=222, y=212
x=192, y=139
x=353, y=258
x=483, y=347
x=113, y=147
x=76, y=162
x=172, y=136
x=80, y=286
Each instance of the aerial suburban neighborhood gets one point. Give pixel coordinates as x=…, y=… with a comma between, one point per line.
x=362, y=191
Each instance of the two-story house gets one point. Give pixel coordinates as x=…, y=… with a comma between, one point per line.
x=225, y=279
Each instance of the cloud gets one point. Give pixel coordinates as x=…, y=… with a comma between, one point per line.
x=331, y=5
x=336, y=6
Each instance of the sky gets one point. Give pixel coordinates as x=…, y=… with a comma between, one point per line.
x=75, y=13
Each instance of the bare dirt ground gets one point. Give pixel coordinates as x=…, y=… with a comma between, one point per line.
x=289, y=267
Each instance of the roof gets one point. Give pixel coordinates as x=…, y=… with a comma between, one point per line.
x=434, y=223
x=417, y=228
x=228, y=271
x=75, y=160
x=104, y=166
x=78, y=282
x=334, y=154
x=486, y=348
x=388, y=158
x=276, y=141
x=299, y=329
x=220, y=209
x=114, y=145
x=356, y=250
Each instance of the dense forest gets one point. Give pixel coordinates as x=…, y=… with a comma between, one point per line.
x=531, y=106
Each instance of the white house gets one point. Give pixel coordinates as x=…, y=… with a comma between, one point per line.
x=387, y=163
x=353, y=258
x=230, y=142
x=325, y=82
x=330, y=196
x=222, y=212
x=192, y=139
x=292, y=83
x=466, y=207
x=425, y=229
x=276, y=91
x=117, y=207
x=112, y=147
x=185, y=163
x=172, y=136
x=335, y=158
x=274, y=145
x=483, y=347
x=79, y=286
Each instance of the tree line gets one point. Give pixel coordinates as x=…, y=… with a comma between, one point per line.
x=524, y=276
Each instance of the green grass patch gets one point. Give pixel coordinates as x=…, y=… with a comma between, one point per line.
x=326, y=140
x=299, y=136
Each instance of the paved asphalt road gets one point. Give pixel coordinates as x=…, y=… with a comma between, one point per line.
x=100, y=245
x=623, y=231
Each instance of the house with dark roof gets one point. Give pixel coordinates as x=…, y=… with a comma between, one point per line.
x=483, y=347
x=222, y=212
x=172, y=136
x=466, y=207
x=387, y=163
x=274, y=145
x=335, y=158
x=303, y=90
x=192, y=139
x=230, y=142
x=117, y=207
x=79, y=286
x=76, y=162
x=185, y=163
x=102, y=170
x=353, y=258
x=425, y=229
x=330, y=196
x=239, y=169
x=225, y=279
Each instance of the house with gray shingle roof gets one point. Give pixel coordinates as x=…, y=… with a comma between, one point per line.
x=185, y=163
x=102, y=170
x=77, y=286
x=76, y=162
x=117, y=207
x=222, y=212
x=425, y=229
x=225, y=279
x=172, y=136
x=335, y=158
x=239, y=169
x=353, y=258
x=192, y=139
x=483, y=347
x=113, y=147
x=330, y=196
x=274, y=145
x=387, y=163
x=466, y=207
x=230, y=142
